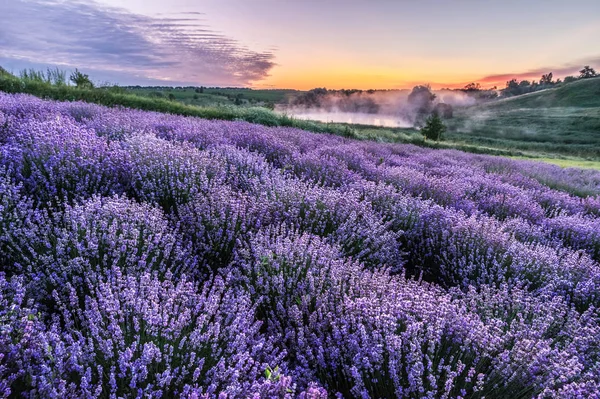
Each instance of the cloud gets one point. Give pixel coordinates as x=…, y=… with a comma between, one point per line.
x=558, y=71
x=90, y=36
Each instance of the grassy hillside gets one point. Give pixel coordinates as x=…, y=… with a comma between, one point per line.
x=211, y=96
x=563, y=121
x=584, y=93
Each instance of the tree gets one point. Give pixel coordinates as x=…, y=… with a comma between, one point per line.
x=546, y=79
x=238, y=99
x=569, y=79
x=171, y=96
x=472, y=87
x=512, y=88
x=587, y=72
x=524, y=84
x=81, y=80
x=516, y=88
x=434, y=128
x=421, y=99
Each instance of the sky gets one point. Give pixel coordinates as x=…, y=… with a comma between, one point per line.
x=302, y=44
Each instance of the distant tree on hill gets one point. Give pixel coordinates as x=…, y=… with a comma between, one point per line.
x=569, y=79
x=434, y=128
x=171, y=96
x=512, y=88
x=476, y=91
x=524, y=84
x=546, y=79
x=472, y=87
x=515, y=88
x=587, y=72
x=81, y=80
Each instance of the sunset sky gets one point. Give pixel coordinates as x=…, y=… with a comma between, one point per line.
x=302, y=44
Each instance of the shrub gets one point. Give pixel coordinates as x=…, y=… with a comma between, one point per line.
x=434, y=128
x=81, y=80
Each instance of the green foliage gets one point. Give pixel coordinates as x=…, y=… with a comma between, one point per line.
x=4, y=72
x=547, y=79
x=434, y=128
x=57, y=77
x=54, y=76
x=32, y=75
x=587, y=72
x=81, y=80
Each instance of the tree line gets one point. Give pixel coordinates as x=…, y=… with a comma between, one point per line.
x=515, y=87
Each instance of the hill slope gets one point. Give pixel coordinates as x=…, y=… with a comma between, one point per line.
x=583, y=93
x=564, y=120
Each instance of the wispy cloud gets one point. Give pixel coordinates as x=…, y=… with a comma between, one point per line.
x=88, y=35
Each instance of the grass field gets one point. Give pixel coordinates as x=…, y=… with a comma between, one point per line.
x=557, y=123
x=567, y=163
x=211, y=96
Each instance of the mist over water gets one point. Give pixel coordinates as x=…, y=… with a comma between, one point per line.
x=389, y=108
x=351, y=117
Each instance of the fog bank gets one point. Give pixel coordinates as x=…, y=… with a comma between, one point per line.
x=389, y=108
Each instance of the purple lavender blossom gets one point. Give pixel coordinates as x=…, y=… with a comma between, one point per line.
x=153, y=255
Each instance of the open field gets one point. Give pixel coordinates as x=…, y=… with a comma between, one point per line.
x=568, y=163
x=251, y=261
x=563, y=121
x=210, y=96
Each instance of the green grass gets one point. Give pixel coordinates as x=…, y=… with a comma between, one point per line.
x=562, y=122
x=567, y=163
x=217, y=96
x=583, y=93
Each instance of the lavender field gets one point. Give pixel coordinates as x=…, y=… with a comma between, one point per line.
x=146, y=255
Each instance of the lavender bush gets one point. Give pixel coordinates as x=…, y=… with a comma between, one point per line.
x=152, y=255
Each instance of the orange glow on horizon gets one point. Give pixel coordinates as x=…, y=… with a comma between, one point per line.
x=303, y=77
x=364, y=82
